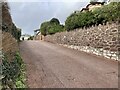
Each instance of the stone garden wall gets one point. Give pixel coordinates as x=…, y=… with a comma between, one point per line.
x=101, y=40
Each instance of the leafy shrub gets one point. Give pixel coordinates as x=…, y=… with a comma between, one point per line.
x=51, y=27
x=16, y=32
x=13, y=73
x=55, y=21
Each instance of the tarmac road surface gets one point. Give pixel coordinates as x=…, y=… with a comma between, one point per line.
x=52, y=66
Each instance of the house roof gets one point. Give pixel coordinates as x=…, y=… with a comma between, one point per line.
x=94, y=3
x=36, y=30
x=84, y=9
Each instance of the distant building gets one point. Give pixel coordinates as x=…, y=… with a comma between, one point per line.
x=38, y=35
x=36, y=31
x=92, y=6
x=24, y=36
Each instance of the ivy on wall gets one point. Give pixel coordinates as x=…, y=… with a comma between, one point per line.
x=15, y=32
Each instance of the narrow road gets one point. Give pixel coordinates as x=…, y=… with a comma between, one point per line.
x=52, y=66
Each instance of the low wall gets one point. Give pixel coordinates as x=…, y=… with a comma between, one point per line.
x=101, y=40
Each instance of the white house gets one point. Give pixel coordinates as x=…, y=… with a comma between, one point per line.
x=24, y=36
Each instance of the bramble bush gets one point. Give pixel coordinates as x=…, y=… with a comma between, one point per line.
x=12, y=73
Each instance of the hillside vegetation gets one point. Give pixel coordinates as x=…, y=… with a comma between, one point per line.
x=51, y=27
x=12, y=67
x=106, y=13
x=7, y=23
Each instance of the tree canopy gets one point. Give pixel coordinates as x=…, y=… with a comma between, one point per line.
x=55, y=21
x=51, y=27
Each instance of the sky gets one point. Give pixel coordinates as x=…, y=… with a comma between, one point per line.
x=28, y=15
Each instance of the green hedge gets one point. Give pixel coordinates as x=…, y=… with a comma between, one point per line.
x=16, y=32
x=107, y=13
x=13, y=73
x=51, y=27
